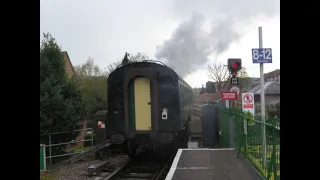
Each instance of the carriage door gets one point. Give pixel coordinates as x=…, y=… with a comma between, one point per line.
x=142, y=103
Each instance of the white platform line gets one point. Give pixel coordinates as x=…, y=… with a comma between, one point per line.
x=207, y=149
x=177, y=158
x=192, y=168
x=174, y=164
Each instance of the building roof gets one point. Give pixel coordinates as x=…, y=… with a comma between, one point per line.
x=70, y=71
x=272, y=74
x=101, y=112
x=269, y=88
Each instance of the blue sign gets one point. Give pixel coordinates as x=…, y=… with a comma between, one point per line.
x=263, y=55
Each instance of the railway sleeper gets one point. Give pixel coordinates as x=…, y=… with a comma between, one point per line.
x=97, y=168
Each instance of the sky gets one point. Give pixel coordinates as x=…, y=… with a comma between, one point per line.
x=187, y=35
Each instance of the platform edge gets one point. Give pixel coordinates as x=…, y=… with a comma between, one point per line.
x=174, y=165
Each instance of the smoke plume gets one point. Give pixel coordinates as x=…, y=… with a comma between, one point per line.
x=191, y=44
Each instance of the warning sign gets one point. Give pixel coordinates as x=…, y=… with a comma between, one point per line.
x=247, y=98
x=248, y=107
x=231, y=95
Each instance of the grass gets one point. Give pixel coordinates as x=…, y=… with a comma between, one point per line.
x=80, y=149
x=48, y=176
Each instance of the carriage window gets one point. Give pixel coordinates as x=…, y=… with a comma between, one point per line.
x=185, y=96
x=187, y=93
x=181, y=95
x=182, y=92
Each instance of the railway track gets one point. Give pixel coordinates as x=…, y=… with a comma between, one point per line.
x=143, y=166
x=116, y=165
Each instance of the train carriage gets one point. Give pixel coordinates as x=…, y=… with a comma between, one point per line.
x=149, y=106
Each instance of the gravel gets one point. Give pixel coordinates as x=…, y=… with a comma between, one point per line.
x=78, y=171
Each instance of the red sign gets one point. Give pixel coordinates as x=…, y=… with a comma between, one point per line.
x=101, y=124
x=229, y=95
x=248, y=105
x=247, y=98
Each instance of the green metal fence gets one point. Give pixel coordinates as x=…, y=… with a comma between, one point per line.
x=42, y=157
x=250, y=144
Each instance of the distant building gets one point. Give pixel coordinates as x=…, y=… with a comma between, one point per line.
x=271, y=90
x=204, y=97
x=252, y=84
x=269, y=77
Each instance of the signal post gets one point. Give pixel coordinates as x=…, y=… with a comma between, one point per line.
x=234, y=65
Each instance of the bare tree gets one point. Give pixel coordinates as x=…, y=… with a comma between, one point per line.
x=138, y=57
x=131, y=58
x=112, y=66
x=219, y=73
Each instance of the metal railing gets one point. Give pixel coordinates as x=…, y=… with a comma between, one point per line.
x=248, y=140
x=82, y=141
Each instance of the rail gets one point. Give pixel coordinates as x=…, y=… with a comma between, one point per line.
x=82, y=141
x=144, y=169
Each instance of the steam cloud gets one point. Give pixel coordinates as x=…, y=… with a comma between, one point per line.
x=190, y=44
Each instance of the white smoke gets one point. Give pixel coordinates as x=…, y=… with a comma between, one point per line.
x=190, y=44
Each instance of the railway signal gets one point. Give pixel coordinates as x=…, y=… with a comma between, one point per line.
x=234, y=81
x=234, y=64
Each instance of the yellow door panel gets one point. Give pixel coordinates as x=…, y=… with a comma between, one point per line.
x=142, y=103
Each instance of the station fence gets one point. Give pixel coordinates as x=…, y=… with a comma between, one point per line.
x=74, y=143
x=247, y=139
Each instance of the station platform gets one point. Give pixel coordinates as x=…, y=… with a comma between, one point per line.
x=210, y=164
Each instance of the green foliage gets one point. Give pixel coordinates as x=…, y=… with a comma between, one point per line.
x=244, y=79
x=89, y=143
x=62, y=105
x=94, y=82
x=278, y=106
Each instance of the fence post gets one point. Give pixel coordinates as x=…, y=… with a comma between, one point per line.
x=274, y=152
x=274, y=162
x=43, y=157
x=92, y=139
x=50, y=148
x=82, y=145
x=245, y=130
x=244, y=137
x=231, y=132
